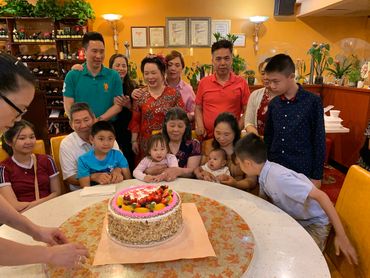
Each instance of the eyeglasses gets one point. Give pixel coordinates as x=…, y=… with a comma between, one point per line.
x=15, y=107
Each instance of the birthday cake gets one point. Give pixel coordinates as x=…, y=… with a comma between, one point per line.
x=144, y=215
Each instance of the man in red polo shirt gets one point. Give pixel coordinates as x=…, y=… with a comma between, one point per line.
x=220, y=92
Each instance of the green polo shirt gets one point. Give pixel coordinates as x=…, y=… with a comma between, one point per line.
x=98, y=91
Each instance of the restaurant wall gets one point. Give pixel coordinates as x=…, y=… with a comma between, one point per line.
x=290, y=35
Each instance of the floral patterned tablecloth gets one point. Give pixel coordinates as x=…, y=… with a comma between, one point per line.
x=229, y=234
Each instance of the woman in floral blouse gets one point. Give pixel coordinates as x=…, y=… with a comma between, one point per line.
x=150, y=109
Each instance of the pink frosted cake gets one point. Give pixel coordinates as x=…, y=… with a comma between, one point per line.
x=144, y=215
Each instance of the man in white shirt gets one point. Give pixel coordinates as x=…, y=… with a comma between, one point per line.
x=78, y=143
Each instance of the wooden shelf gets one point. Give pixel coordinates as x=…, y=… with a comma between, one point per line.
x=68, y=39
x=55, y=107
x=33, y=43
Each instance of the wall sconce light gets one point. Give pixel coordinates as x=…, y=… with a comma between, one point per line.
x=113, y=18
x=257, y=20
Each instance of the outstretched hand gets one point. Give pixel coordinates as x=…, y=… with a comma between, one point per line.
x=51, y=236
x=342, y=244
x=69, y=255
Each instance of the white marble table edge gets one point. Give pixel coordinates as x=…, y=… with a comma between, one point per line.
x=272, y=256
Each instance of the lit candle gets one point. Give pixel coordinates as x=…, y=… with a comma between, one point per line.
x=151, y=50
x=191, y=51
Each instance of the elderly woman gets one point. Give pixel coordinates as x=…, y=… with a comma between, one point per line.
x=175, y=66
x=150, y=109
x=16, y=93
x=226, y=134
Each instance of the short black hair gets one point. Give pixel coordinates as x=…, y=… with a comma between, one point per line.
x=155, y=139
x=222, y=44
x=91, y=36
x=281, y=63
x=102, y=126
x=251, y=147
x=154, y=59
x=12, y=73
x=177, y=113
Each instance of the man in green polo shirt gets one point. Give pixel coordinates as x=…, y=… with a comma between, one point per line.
x=95, y=84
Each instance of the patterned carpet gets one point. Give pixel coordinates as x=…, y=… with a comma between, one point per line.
x=332, y=182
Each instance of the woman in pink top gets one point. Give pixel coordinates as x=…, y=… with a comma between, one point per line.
x=175, y=66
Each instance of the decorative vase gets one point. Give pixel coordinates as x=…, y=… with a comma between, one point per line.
x=339, y=81
x=319, y=80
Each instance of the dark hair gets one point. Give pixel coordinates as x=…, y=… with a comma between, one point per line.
x=128, y=84
x=154, y=59
x=102, y=126
x=251, y=147
x=220, y=150
x=91, y=36
x=80, y=106
x=260, y=66
x=153, y=140
x=281, y=63
x=174, y=54
x=13, y=132
x=230, y=119
x=177, y=113
x=222, y=44
x=12, y=73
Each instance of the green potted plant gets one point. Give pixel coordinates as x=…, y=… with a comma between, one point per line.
x=49, y=8
x=341, y=67
x=301, y=71
x=251, y=76
x=17, y=8
x=132, y=70
x=321, y=59
x=354, y=75
x=79, y=9
x=196, y=73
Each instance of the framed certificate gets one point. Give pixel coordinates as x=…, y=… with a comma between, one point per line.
x=156, y=36
x=200, y=32
x=240, y=41
x=177, y=31
x=222, y=26
x=139, y=37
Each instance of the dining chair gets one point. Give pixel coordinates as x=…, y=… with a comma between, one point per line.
x=353, y=207
x=39, y=148
x=55, y=146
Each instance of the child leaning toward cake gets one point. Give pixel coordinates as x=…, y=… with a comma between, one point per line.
x=102, y=159
x=157, y=154
x=216, y=165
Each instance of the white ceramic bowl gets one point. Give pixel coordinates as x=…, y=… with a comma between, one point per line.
x=334, y=113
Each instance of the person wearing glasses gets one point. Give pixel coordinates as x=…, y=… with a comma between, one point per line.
x=16, y=93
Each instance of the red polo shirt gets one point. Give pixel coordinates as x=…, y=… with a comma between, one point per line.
x=215, y=98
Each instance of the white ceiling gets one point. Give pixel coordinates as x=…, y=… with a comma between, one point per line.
x=333, y=8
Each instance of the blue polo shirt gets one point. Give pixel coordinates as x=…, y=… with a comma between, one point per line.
x=295, y=133
x=289, y=191
x=88, y=164
x=98, y=91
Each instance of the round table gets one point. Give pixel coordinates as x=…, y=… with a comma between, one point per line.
x=282, y=247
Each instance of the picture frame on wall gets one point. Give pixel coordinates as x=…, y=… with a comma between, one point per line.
x=157, y=36
x=139, y=37
x=177, y=31
x=240, y=41
x=200, y=31
x=222, y=26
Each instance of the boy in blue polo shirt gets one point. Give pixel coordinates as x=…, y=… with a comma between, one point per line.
x=295, y=194
x=102, y=158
